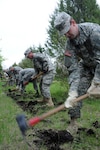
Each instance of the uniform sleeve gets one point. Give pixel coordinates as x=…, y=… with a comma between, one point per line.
x=73, y=67
x=44, y=61
x=95, y=41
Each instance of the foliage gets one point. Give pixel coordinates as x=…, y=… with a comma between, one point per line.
x=26, y=63
x=1, y=60
x=82, y=10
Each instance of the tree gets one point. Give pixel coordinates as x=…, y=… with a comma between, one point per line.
x=1, y=60
x=26, y=63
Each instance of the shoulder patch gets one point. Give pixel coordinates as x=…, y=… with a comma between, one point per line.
x=67, y=53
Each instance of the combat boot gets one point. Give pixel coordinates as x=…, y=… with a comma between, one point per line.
x=49, y=102
x=73, y=127
x=41, y=100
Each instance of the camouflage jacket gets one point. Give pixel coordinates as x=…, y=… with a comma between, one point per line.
x=17, y=69
x=83, y=51
x=42, y=63
x=26, y=73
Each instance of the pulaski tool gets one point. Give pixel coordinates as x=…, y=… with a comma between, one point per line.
x=24, y=124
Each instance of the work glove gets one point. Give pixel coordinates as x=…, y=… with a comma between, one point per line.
x=94, y=89
x=20, y=89
x=70, y=100
x=17, y=87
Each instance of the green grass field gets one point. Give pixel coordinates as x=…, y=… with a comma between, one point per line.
x=11, y=138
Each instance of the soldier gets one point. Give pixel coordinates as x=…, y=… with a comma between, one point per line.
x=82, y=59
x=25, y=78
x=43, y=64
x=14, y=71
x=9, y=77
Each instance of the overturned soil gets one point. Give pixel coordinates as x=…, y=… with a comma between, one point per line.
x=52, y=139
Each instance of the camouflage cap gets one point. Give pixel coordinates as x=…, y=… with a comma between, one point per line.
x=27, y=52
x=62, y=23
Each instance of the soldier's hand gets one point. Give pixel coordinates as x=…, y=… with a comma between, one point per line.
x=70, y=100
x=94, y=89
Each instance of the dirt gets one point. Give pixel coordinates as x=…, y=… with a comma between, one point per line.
x=52, y=139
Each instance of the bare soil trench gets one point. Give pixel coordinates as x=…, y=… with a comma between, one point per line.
x=52, y=139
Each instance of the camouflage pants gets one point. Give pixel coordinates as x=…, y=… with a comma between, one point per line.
x=45, y=83
x=83, y=86
x=35, y=86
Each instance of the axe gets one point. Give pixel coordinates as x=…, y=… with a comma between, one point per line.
x=24, y=125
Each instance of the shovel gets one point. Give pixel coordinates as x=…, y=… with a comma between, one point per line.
x=38, y=75
x=12, y=90
x=24, y=125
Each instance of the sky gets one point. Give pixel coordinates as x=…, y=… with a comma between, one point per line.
x=23, y=23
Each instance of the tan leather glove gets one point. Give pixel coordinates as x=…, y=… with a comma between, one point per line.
x=94, y=89
x=70, y=100
x=17, y=87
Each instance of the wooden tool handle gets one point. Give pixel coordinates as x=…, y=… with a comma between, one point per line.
x=61, y=107
x=38, y=75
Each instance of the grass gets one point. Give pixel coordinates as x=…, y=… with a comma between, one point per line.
x=11, y=139
x=59, y=89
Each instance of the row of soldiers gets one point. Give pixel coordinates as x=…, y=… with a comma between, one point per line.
x=42, y=67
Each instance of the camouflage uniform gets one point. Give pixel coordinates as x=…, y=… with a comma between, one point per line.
x=43, y=64
x=11, y=78
x=14, y=71
x=25, y=76
x=82, y=59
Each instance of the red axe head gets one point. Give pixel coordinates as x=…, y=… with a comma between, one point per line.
x=23, y=124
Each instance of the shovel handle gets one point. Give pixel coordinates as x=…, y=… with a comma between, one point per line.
x=38, y=75
x=23, y=125
x=61, y=107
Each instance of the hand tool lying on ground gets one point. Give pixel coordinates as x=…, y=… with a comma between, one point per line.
x=24, y=125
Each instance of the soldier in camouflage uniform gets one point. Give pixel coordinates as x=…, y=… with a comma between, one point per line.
x=43, y=64
x=25, y=78
x=9, y=77
x=82, y=59
x=14, y=71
